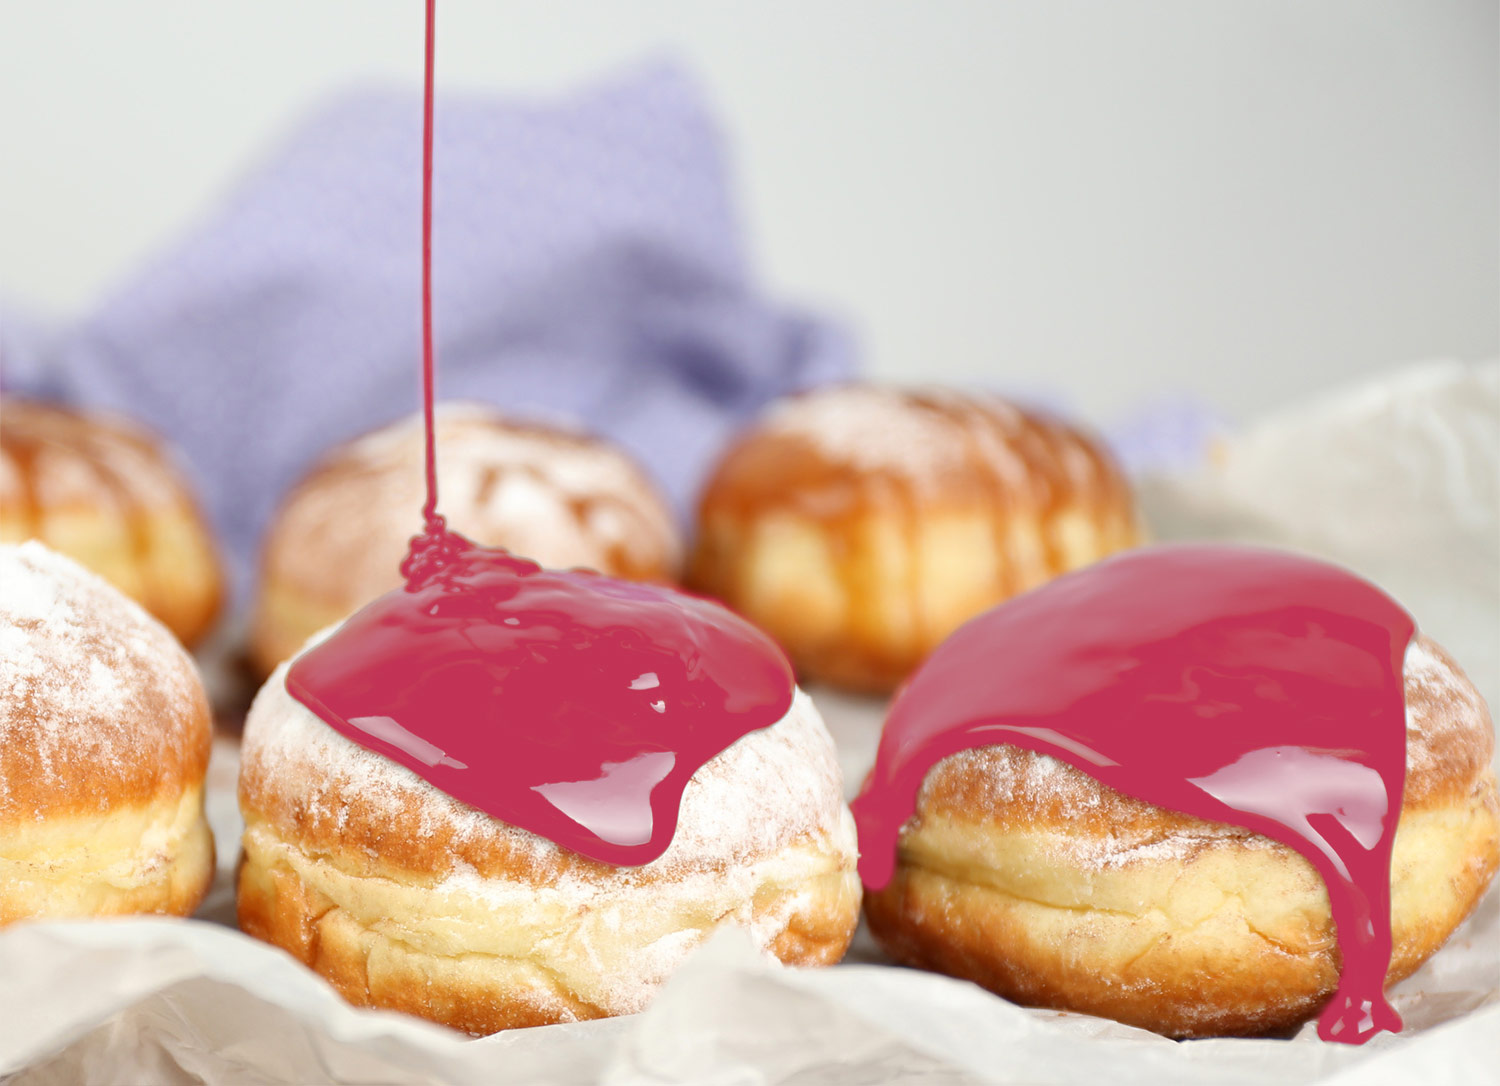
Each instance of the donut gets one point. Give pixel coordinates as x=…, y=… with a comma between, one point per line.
x=102, y=491
x=1029, y=877
x=104, y=743
x=860, y=525
x=561, y=498
x=405, y=898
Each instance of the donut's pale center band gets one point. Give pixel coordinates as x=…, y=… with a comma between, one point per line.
x=605, y=941
x=127, y=859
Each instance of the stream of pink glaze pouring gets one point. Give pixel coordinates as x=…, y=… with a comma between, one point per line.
x=1235, y=684
x=567, y=703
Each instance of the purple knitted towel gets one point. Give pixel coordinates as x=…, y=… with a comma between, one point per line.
x=587, y=267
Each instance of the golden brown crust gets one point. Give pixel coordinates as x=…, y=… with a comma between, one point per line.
x=403, y=897
x=562, y=498
x=100, y=707
x=861, y=525
x=104, y=743
x=484, y=989
x=1029, y=877
x=103, y=491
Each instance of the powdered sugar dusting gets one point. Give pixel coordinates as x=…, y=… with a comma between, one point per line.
x=998, y=776
x=871, y=427
x=922, y=434
x=1448, y=729
x=563, y=499
x=92, y=689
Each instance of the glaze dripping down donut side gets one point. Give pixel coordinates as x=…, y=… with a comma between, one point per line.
x=1239, y=685
x=567, y=703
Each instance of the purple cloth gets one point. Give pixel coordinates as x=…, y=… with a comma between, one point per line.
x=1166, y=435
x=587, y=267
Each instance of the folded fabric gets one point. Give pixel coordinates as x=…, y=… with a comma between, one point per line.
x=588, y=268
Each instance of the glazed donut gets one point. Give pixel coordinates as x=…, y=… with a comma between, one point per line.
x=104, y=743
x=405, y=898
x=1032, y=879
x=860, y=525
x=103, y=492
x=560, y=498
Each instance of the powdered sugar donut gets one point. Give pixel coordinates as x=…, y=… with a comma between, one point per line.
x=560, y=498
x=406, y=898
x=104, y=742
x=1031, y=878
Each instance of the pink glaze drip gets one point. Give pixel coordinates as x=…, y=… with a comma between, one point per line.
x=567, y=703
x=1234, y=684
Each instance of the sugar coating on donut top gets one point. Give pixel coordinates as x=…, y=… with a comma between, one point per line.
x=567, y=496
x=933, y=431
x=1449, y=742
x=52, y=457
x=763, y=792
x=869, y=426
x=97, y=699
x=1448, y=729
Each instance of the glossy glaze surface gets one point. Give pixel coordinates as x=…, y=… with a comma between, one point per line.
x=567, y=703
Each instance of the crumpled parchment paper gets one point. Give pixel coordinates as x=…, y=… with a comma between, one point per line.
x=1400, y=481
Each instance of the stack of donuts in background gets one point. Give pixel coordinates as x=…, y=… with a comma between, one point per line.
x=859, y=526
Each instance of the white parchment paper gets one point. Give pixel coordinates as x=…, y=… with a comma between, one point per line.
x=1400, y=481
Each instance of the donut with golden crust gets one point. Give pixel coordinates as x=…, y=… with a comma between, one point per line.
x=860, y=525
x=1031, y=878
x=405, y=898
x=104, y=742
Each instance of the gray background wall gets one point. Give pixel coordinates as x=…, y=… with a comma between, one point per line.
x=1246, y=200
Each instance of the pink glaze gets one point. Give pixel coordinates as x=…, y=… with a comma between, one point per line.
x=564, y=702
x=1234, y=684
